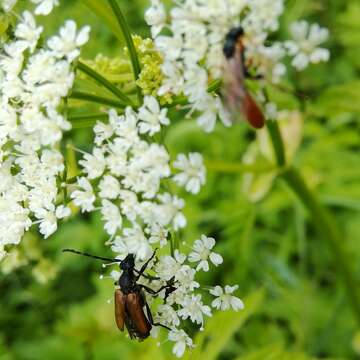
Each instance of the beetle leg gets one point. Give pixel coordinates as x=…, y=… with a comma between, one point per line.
x=151, y=320
x=155, y=292
x=143, y=268
x=146, y=276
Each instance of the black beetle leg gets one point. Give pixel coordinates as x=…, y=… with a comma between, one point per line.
x=155, y=292
x=143, y=268
x=151, y=320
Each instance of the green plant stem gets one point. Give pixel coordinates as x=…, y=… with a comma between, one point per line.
x=129, y=42
x=277, y=142
x=80, y=95
x=321, y=217
x=106, y=83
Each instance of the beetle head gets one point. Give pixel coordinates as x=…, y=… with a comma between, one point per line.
x=128, y=263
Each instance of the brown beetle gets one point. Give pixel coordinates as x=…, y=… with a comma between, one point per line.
x=130, y=300
x=236, y=92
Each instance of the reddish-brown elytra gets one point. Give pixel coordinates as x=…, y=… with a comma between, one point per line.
x=236, y=92
x=130, y=300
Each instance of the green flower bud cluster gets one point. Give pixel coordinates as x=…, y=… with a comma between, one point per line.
x=151, y=75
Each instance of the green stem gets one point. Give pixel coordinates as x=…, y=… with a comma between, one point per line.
x=129, y=42
x=321, y=217
x=80, y=95
x=106, y=83
x=277, y=142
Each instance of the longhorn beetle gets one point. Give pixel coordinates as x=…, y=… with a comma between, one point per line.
x=129, y=297
x=237, y=93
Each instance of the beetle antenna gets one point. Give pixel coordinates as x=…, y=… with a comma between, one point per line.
x=90, y=255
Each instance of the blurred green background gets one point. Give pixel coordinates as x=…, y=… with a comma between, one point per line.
x=53, y=306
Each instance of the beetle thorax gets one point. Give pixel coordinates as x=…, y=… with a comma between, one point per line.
x=127, y=281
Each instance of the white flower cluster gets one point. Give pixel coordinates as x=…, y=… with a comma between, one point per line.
x=193, y=53
x=186, y=301
x=126, y=175
x=43, y=7
x=33, y=81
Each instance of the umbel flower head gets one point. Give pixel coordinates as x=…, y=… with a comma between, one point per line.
x=124, y=178
x=33, y=82
x=193, y=52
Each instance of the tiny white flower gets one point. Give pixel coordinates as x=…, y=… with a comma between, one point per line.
x=193, y=308
x=137, y=243
x=166, y=314
x=157, y=234
x=44, y=6
x=112, y=217
x=168, y=266
x=109, y=187
x=182, y=340
x=84, y=198
x=225, y=300
x=202, y=252
x=94, y=165
x=62, y=212
x=185, y=276
x=151, y=117
x=27, y=31
x=193, y=172
x=68, y=41
x=47, y=220
x=155, y=16
x=129, y=204
x=169, y=211
x=102, y=132
x=305, y=44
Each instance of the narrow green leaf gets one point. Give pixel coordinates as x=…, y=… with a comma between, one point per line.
x=129, y=42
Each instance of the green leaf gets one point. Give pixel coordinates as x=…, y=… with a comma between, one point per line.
x=221, y=327
x=128, y=39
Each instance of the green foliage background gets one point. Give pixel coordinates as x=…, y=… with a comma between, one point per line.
x=54, y=306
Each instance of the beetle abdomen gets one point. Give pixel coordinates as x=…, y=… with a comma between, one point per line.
x=136, y=315
x=120, y=300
